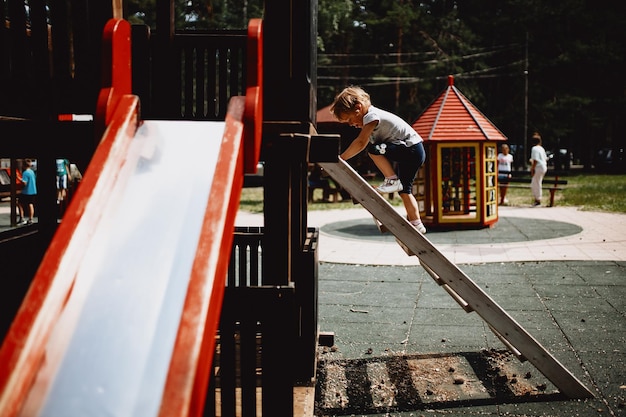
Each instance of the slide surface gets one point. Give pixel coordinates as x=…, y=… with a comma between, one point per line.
x=121, y=316
x=117, y=331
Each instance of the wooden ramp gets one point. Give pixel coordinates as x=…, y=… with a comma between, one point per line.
x=464, y=291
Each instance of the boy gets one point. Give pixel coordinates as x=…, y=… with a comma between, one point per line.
x=28, y=194
x=63, y=178
x=388, y=139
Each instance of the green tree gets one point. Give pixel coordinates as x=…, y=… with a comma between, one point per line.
x=402, y=52
x=576, y=61
x=198, y=14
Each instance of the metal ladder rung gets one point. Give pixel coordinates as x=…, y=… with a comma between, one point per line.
x=464, y=304
x=405, y=248
x=381, y=227
x=432, y=273
x=509, y=346
x=460, y=301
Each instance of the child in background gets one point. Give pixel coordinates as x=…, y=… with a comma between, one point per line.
x=27, y=197
x=505, y=162
x=388, y=139
x=63, y=178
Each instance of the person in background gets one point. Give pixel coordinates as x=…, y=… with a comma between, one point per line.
x=63, y=178
x=538, y=167
x=318, y=180
x=388, y=139
x=505, y=162
x=28, y=194
x=75, y=175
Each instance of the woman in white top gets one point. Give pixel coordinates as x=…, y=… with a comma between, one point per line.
x=505, y=162
x=538, y=167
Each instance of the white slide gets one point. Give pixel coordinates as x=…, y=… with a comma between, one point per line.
x=120, y=319
x=117, y=331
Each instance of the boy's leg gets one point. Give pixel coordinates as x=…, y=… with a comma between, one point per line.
x=63, y=186
x=410, y=205
x=409, y=162
x=383, y=164
x=392, y=183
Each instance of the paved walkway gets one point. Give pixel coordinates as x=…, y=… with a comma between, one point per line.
x=350, y=236
x=521, y=234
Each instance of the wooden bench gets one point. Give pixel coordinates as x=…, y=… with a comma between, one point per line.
x=331, y=193
x=550, y=183
x=319, y=180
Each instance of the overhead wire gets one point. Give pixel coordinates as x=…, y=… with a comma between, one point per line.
x=488, y=72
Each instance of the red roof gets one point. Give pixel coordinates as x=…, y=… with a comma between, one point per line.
x=325, y=116
x=452, y=117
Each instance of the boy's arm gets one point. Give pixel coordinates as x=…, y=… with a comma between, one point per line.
x=360, y=142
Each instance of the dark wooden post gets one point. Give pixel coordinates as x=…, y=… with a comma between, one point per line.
x=285, y=158
x=290, y=61
x=165, y=83
x=289, y=113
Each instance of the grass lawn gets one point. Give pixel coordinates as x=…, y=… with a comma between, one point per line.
x=592, y=192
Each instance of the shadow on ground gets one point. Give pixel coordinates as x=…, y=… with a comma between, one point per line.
x=402, y=383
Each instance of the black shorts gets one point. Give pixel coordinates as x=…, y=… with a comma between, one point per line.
x=27, y=198
x=409, y=159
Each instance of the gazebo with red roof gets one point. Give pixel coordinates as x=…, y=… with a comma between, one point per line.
x=458, y=187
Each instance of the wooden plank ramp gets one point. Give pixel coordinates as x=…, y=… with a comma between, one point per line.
x=460, y=286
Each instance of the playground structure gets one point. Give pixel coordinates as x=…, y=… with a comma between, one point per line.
x=460, y=189
x=283, y=298
x=172, y=340
x=272, y=270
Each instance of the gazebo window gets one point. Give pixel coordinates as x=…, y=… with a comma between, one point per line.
x=458, y=180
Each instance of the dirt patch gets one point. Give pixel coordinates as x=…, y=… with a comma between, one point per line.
x=415, y=382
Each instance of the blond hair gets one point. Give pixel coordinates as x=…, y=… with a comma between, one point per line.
x=347, y=100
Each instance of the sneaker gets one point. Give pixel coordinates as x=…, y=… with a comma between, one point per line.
x=389, y=186
x=29, y=222
x=537, y=203
x=420, y=227
x=22, y=222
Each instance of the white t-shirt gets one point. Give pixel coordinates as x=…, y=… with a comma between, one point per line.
x=390, y=128
x=505, y=162
x=537, y=153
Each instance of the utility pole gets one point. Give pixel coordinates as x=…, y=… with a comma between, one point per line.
x=118, y=9
x=399, y=60
x=525, y=102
